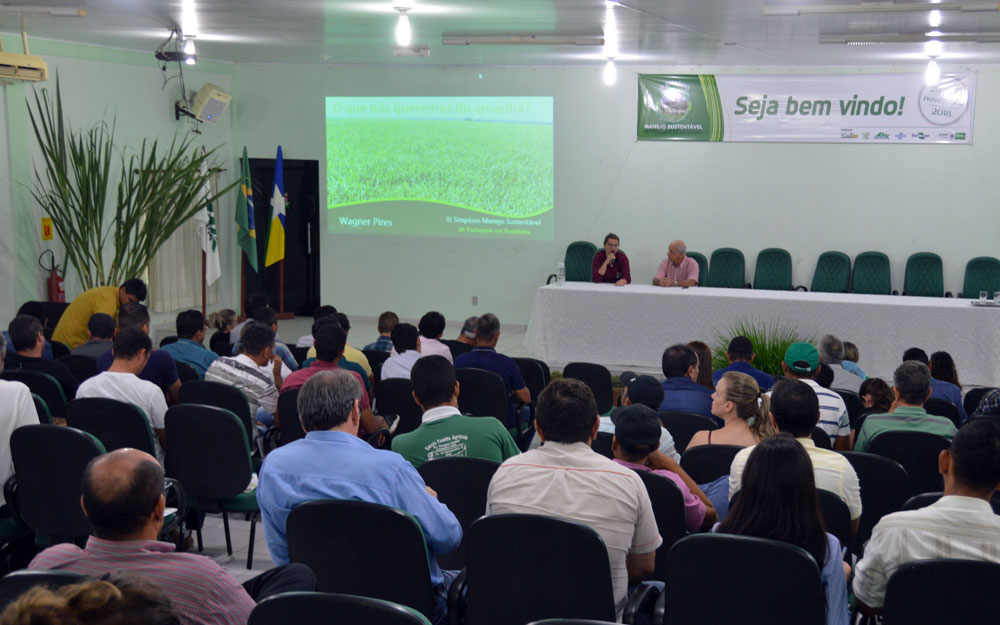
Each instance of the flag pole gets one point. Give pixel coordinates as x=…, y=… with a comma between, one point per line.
x=243, y=285
x=281, y=285
x=204, y=298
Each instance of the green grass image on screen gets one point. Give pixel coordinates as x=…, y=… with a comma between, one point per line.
x=502, y=169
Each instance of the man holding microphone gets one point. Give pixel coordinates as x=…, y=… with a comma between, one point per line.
x=610, y=264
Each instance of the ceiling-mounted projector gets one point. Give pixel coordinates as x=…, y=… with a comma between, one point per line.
x=210, y=103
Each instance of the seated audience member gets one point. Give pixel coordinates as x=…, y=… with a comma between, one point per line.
x=222, y=321
x=444, y=431
x=386, y=322
x=802, y=363
x=960, y=525
x=911, y=387
x=744, y=410
x=16, y=409
x=116, y=598
x=824, y=376
x=26, y=333
x=71, y=330
x=431, y=328
x=681, y=392
x=591, y=488
x=795, y=410
x=161, y=369
x=123, y=500
x=778, y=501
x=646, y=391
x=989, y=404
x=351, y=354
x=876, y=396
x=468, y=333
x=250, y=306
x=244, y=371
x=850, y=362
x=406, y=341
x=484, y=356
x=677, y=269
x=941, y=386
x=610, y=265
x=637, y=437
x=344, y=362
x=188, y=347
x=268, y=317
x=831, y=354
x=307, y=340
x=704, y=354
x=101, y=330
x=331, y=462
x=36, y=310
x=740, y=355
x=121, y=381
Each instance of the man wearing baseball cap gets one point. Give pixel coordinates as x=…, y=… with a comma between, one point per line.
x=801, y=363
x=637, y=436
x=740, y=355
x=642, y=390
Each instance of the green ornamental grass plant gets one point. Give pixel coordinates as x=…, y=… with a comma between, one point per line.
x=770, y=340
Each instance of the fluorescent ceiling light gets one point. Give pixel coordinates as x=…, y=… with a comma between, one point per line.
x=32, y=10
x=932, y=48
x=932, y=75
x=610, y=73
x=404, y=36
x=877, y=7
x=189, y=19
x=934, y=18
x=910, y=38
x=524, y=39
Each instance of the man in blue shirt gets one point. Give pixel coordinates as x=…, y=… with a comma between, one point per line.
x=680, y=391
x=188, y=348
x=939, y=388
x=740, y=354
x=386, y=322
x=331, y=462
x=484, y=356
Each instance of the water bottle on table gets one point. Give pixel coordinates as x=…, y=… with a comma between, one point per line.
x=561, y=274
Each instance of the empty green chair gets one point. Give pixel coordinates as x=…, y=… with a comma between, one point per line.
x=833, y=273
x=774, y=270
x=727, y=269
x=871, y=274
x=981, y=274
x=579, y=260
x=702, y=266
x=924, y=275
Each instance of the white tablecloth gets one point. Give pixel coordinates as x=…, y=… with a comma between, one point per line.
x=629, y=327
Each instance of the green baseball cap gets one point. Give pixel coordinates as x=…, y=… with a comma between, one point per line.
x=802, y=357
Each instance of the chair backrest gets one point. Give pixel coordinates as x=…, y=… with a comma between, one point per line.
x=943, y=591
x=59, y=350
x=457, y=347
x=299, y=353
x=207, y=451
x=482, y=393
x=41, y=409
x=511, y=556
x=883, y=490
x=535, y=374
x=941, y=407
x=853, y=403
x=602, y=444
x=727, y=268
x=833, y=273
x=598, y=380
x=918, y=453
x=924, y=275
x=219, y=343
x=186, y=373
x=707, y=463
x=222, y=396
x=821, y=438
x=48, y=463
x=167, y=340
x=116, y=424
x=973, y=396
x=671, y=519
x=773, y=271
x=320, y=608
x=922, y=500
x=871, y=274
x=82, y=367
x=461, y=484
x=376, y=358
x=384, y=546
x=981, y=274
x=15, y=584
x=43, y=385
x=579, y=260
x=836, y=518
x=395, y=397
x=702, y=266
x=693, y=573
x=289, y=426
x=683, y=425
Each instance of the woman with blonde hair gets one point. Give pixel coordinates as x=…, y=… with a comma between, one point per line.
x=222, y=322
x=743, y=409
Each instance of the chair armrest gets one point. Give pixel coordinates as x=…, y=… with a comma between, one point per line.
x=660, y=609
x=948, y=294
x=457, y=595
x=551, y=277
x=897, y=293
x=10, y=496
x=641, y=600
x=800, y=287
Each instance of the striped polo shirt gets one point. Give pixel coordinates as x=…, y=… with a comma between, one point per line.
x=243, y=373
x=202, y=591
x=833, y=417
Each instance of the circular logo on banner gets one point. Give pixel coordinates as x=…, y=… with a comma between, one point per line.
x=945, y=102
x=674, y=104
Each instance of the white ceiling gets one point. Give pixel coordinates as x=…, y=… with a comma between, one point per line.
x=650, y=32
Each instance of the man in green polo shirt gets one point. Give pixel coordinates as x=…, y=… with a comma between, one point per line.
x=444, y=431
x=912, y=387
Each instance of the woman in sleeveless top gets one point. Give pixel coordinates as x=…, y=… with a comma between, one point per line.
x=743, y=409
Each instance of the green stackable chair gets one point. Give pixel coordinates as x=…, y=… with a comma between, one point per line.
x=774, y=270
x=924, y=275
x=871, y=274
x=702, y=266
x=579, y=260
x=727, y=269
x=833, y=273
x=981, y=274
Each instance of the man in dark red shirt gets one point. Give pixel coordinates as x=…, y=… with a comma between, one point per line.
x=610, y=264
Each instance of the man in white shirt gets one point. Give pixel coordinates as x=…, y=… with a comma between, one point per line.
x=801, y=362
x=406, y=341
x=245, y=371
x=431, y=328
x=130, y=352
x=16, y=409
x=565, y=478
x=831, y=352
x=960, y=525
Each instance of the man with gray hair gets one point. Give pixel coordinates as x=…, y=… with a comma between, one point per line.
x=331, y=462
x=468, y=333
x=677, y=269
x=912, y=387
x=485, y=356
x=831, y=354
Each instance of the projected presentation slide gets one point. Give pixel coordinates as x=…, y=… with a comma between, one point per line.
x=471, y=167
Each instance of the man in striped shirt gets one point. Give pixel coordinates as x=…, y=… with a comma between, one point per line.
x=123, y=499
x=247, y=371
x=801, y=363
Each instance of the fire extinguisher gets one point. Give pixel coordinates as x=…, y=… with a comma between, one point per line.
x=57, y=292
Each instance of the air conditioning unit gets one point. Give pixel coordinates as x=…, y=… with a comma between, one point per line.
x=22, y=67
x=210, y=103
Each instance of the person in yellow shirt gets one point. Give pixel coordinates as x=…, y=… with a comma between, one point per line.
x=72, y=327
